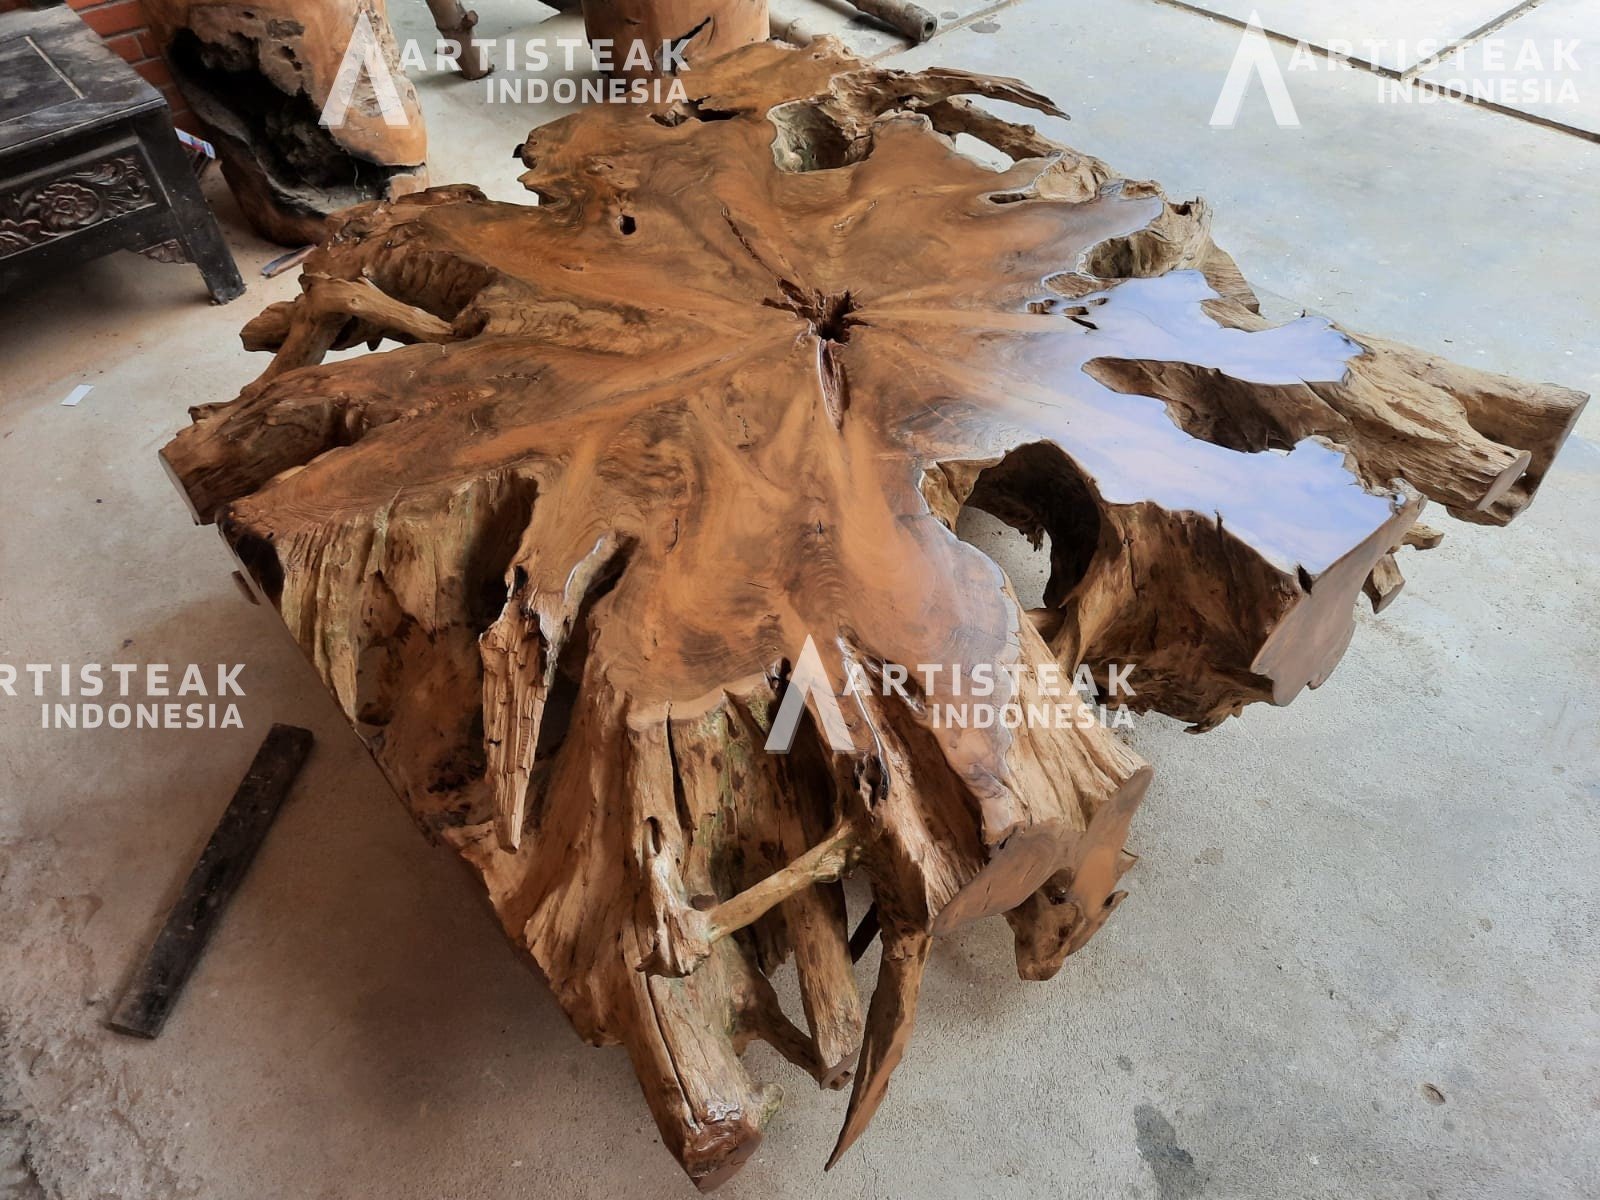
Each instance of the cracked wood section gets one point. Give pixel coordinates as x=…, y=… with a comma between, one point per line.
x=261, y=76
x=727, y=388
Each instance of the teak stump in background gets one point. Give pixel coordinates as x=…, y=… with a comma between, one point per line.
x=258, y=75
x=721, y=396
x=702, y=29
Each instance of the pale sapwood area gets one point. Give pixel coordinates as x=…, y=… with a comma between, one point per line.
x=728, y=386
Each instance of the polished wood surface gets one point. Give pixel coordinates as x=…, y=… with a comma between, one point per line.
x=726, y=389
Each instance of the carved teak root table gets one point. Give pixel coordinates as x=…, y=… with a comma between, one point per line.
x=727, y=387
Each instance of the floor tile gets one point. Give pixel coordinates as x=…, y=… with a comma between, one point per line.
x=1396, y=34
x=1546, y=63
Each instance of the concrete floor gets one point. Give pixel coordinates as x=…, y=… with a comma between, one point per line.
x=1389, y=885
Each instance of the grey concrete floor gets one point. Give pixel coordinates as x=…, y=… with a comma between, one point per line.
x=1388, y=885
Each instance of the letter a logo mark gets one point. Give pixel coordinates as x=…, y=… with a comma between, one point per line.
x=363, y=51
x=1254, y=56
x=809, y=679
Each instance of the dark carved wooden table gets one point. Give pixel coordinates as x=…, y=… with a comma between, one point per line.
x=89, y=161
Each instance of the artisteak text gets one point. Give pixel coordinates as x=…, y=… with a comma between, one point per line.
x=128, y=695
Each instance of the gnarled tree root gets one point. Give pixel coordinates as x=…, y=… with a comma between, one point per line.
x=688, y=441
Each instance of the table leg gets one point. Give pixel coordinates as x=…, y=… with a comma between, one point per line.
x=194, y=224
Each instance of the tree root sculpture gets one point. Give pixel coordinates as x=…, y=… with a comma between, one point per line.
x=719, y=398
x=262, y=76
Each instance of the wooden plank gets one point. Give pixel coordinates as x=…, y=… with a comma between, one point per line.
x=159, y=982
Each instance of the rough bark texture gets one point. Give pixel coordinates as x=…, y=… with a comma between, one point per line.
x=727, y=388
x=258, y=75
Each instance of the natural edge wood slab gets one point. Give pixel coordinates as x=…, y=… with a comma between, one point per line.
x=727, y=387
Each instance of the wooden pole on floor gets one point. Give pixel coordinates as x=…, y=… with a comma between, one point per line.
x=156, y=986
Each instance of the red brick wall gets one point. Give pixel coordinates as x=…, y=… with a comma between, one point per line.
x=121, y=23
